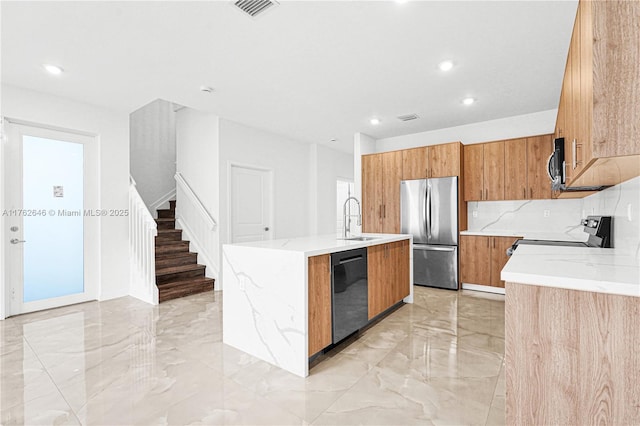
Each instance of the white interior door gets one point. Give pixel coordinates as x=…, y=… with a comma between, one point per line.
x=45, y=219
x=250, y=199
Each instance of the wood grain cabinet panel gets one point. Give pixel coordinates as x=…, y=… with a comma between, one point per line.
x=372, y=193
x=415, y=163
x=473, y=172
x=392, y=176
x=499, y=258
x=571, y=357
x=494, y=171
x=515, y=169
x=598, y=112
x=319, y=290
x=388, y=275
x=399, y=270
x=475, y=259
x=538, y=150
x=376, y=271
x=444, y=159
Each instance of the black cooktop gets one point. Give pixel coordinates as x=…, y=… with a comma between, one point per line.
x=551, y=243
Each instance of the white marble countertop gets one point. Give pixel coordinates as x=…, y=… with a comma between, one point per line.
x=322, y=244
x=530, y=235
x=598, y=270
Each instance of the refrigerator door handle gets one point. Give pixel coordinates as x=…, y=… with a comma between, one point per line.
x=428, y=212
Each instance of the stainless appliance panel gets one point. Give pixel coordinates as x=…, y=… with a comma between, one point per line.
x=435, y=266
x=442, y=210
x=349, y=292
x=413, y=211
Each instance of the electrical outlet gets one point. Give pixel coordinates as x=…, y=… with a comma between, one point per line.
x=475, y=213
x=629, y=212
x=547, y=213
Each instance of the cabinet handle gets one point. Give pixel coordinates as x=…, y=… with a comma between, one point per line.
x=531, y=192
x=486, y=194
x=524, y=193
x=494, y=242
x=384, y=211
x=487, y=242
x=574, y=154
x=481, y=195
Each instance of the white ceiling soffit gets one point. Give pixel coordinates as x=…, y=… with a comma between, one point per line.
x=309, y=70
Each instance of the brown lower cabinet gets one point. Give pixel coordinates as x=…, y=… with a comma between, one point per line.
x=482, y=258
x=388, y=275
x=319, y=303
x=388, y=282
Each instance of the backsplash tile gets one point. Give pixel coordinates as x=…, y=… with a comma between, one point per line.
x=563, y=216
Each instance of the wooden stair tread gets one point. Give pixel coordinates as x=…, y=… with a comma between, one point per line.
x=175, y=255
x=186, y=282
x=169, y=231
x=163, y=242
x=177, y=269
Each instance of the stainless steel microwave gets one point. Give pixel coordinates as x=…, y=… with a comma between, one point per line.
x=557, y=167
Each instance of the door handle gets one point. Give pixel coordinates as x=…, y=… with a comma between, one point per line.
x=16, y=241
x=266, y=228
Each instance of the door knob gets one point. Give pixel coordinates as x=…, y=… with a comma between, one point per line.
x=266, y=228
x=16, y=241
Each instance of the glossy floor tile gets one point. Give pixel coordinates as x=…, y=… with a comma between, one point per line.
x=123, y=362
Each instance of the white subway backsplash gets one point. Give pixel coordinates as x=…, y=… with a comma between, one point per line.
x=563, y=216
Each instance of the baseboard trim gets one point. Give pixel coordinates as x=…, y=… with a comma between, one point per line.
x=485, y=288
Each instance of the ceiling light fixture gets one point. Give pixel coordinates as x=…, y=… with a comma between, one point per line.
x=445, y=65
x=53, y=69
x=375, y=121
x=206, y=89
x=468, y=101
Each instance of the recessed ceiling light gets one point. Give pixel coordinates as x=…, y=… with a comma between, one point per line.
x=468, y=101
x=401, y=1
x=53, y=69
x=206, y=89
x=445, y=65
x=375, y=121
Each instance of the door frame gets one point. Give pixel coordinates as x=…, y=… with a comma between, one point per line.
x=270, y=191
x=17, y=128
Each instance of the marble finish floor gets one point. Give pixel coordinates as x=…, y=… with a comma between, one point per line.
x=123, y=362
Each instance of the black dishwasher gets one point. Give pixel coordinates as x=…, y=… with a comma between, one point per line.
x=349, y=292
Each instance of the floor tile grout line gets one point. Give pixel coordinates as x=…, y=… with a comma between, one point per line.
x=46, y=370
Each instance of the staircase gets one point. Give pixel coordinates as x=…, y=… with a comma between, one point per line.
x=177, y=271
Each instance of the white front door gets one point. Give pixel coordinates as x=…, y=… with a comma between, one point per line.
x=250, y=199
x=45, y=219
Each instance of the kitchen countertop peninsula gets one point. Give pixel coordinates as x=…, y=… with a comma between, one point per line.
x=266, y=298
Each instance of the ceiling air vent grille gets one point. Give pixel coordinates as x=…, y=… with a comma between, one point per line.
x=407, y=117
x=255, y=7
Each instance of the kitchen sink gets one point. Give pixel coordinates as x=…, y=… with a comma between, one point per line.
x=361, y=238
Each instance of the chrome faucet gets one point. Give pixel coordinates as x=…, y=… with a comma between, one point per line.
x=347, y=225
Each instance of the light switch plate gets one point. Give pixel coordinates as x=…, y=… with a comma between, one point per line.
x=58, y=191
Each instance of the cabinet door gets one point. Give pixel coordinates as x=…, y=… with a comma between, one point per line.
x=319, y=291
x=575, y=158
x=538, y=150
x=444, y=160
x=376, y=278
x=515, y=169
x=392, y=176
x=372, y=193
x=494, y=171
x=415, y=163
x=585, y=115
x=499, y=258
x=475, y=260
x=473, y=172
x=398, y=267
x=567, y=93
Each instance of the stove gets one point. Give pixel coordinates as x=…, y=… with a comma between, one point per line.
x=598, y=228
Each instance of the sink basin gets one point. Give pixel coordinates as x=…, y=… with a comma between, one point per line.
x=360, y=238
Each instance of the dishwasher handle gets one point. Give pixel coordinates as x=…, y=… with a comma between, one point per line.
x=350, y=259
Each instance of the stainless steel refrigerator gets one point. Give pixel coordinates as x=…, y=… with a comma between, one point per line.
x=429, y=212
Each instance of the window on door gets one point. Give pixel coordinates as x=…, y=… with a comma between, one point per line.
x=344, y=190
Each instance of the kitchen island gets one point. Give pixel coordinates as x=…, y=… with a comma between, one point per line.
x=275, y=312
x=572, y=339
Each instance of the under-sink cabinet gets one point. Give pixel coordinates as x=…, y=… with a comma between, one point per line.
x=482, y=258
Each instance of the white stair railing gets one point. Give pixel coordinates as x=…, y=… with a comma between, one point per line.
x=142, y=251
x=197, y=224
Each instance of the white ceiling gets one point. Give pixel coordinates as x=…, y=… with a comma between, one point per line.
x=308, y=70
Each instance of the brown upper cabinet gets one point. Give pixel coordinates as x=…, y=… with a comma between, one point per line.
x=514, y=169
x=381, y=176
x=431, y=161
x=598, y=111
x=484, y=171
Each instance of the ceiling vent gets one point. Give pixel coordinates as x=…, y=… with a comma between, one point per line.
x=407, y=117
x=254, y=8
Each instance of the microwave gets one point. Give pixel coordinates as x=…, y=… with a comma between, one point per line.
x=557, y=167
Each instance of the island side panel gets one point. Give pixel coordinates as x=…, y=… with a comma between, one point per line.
x=571, y=357
x=264, y=296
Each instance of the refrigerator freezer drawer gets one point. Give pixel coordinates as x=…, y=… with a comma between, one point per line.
x=435, y=266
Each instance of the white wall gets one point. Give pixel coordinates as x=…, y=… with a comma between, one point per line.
x=153, y=151
x=330, y=165
x=112, y=130
x=289, y=161
x=538, y=123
